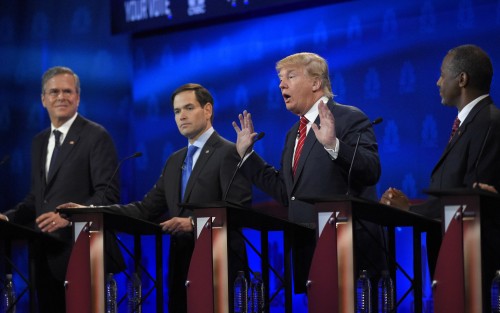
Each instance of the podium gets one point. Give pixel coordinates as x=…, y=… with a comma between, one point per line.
x=10, y=232
x=331, y=284
x=85, y=277
x=458, y=281
x=208, y=288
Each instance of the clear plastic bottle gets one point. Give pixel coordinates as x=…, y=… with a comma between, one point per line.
x=134, y=294
x=8, y=304
x=257, y=294
x=363, y=293
x=111, y=293
x=495, y=293
x=240, y=293
x=385, y=293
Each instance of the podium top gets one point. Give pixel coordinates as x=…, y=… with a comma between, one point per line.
x=13, y=231
x=113, y=220
x=378, y=213
x=463, y=192
x=244, y=217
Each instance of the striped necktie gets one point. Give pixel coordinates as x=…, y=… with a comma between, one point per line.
x=300, y=142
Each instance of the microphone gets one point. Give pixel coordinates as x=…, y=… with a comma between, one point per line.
x=476, y=165
x=135, y=155
x=259, y=137
x=376, y=121
x=5, y=159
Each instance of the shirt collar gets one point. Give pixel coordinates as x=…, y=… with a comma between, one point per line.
x=313, y=112
x=64, y=128
x=462, y=115
x=202, y=140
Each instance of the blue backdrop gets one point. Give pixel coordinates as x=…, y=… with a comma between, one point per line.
x=384, y=57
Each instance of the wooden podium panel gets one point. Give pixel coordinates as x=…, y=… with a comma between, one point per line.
x=332, y=275
x=323, y=289
x=201, y=271
x=87, y=257
x=214, y=224
x=458, y=283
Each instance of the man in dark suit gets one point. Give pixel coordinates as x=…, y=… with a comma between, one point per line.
x=473, y=152
x=326, y=154
x=79, y=170
x=213, y=163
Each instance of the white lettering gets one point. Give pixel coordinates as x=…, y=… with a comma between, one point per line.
x=196, y=7
x=136, y=10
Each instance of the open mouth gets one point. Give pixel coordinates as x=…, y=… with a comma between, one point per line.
x=286, y=97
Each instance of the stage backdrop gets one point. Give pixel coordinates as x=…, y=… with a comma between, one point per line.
x=384, y=58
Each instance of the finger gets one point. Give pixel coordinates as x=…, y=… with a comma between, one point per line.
x=236, y=127
x=43, y=217
x=242, y=121
x=249, y=122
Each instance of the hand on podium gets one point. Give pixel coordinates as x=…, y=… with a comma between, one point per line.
x=486, y=187
x=395, y=198
x=177, y=225
x=70, y=205
x=51, y=221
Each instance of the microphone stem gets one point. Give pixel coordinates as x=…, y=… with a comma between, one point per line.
x=348, y=193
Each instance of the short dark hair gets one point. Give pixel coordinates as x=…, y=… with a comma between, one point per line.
x=58, y=70
x=475, y=62
x=202, y=95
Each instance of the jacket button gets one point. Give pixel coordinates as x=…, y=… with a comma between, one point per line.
x=292, y=198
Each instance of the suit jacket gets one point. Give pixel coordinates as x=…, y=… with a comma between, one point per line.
x=208, y=182
x=471, y=156
x=318, y=176
x=83, y=169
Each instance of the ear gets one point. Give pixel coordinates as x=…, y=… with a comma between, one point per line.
x=43, y=100
x=463, y=79
x=316, y=84
x=208, y=109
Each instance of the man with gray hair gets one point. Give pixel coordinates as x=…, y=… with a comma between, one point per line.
x=72, y=160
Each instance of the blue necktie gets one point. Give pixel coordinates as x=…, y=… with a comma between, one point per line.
x=57, y=146
x=187, y=168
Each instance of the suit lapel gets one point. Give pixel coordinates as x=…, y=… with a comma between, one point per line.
x=206, y=153
x=67, y=146
x=462, y=130
x=308, y=145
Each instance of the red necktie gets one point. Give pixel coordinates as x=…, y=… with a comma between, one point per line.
x=300, y=142
x=456, y=124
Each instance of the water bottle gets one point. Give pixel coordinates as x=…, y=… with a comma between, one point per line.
x=257, y=294
x=385, y=293
x=495, y=293
x=363, y=293
x=8, y=304
x=111, y=291
x=240, y=293
x=134, y=294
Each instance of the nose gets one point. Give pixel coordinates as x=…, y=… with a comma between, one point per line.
x=438, y=83
x=282, y=84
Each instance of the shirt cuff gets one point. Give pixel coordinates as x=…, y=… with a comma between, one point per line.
x=334, y=153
